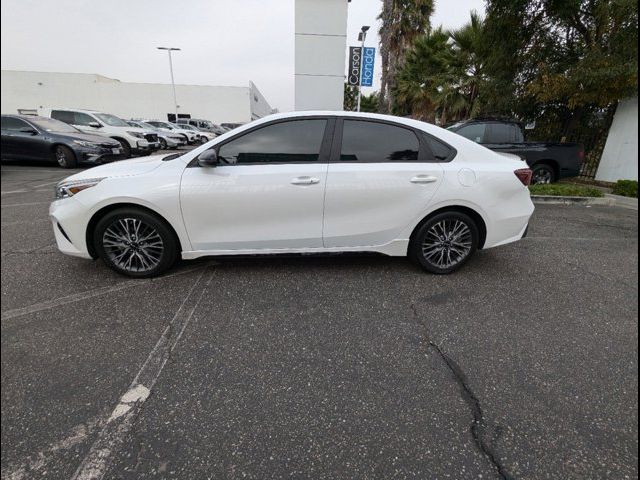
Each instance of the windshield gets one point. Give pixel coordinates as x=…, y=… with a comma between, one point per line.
x=147, y=125
x=111, y=120
x=53, y=125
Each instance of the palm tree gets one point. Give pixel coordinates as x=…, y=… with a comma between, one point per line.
x=443, y=74
x=425, y=70
x=403, y=21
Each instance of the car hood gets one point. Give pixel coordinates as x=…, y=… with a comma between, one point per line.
x=122, y=168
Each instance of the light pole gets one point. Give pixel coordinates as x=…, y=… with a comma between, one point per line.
x=173, y=84
x=361, y=36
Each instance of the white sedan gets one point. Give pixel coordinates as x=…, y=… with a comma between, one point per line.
x=300, y=182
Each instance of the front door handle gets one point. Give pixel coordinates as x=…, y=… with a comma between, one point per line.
x=424, y=179
x=305, y=181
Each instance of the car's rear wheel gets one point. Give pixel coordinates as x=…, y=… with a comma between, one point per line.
x=65, y=157
x=135, y=243
x=543, y=174
x=445, y=242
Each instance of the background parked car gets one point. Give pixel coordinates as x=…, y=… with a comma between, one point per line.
x=199, y=123
x=549, y=161
x=166, y=139
x=231, y=126
x=203, y=135
x=29, y=137
x=133, y=140
x=189, y=135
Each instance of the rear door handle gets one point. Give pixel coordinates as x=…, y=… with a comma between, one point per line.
x=305, y=181
x=424, y=179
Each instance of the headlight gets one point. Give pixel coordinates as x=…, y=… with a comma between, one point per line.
x=85, y=143
x=70, y=188
x=136, y=134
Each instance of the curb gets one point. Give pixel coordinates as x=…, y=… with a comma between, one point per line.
x=608, y=200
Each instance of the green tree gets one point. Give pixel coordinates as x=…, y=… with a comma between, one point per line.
x=369, y=103
x=350, y=101
x=571, y=57
x=443, y=75
x=403, y=21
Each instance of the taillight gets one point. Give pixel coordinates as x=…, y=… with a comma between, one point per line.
x=524, y=175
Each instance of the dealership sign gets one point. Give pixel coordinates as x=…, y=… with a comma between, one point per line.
x=361, y=66
x=355, y=63
x=368, y=59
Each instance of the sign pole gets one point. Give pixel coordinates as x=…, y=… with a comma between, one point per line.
x=364, y=35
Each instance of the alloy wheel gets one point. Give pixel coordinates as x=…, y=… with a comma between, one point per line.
x=447, y=243
x=133, y=245
x=542, y=176
x=61, y=157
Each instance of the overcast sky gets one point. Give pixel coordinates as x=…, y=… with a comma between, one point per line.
x=224, y=42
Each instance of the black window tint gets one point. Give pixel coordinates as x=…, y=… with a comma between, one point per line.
x=66, y=117
x=377, y=142
x=294, y=141
x=83, y=119
x=474, y=132
x=517, y=134
x=440, y=151
x=14, y=124
x=500, y=133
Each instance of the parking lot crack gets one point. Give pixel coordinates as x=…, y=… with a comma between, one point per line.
x=479, y=428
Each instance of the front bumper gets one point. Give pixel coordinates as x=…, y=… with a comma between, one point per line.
x=98, y=155
x=146, y=146
x=68, y=219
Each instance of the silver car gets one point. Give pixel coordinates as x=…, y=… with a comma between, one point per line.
x=166, y=139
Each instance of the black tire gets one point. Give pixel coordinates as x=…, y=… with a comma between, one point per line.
x=131, y=252
x=65, y=157
x=203, y=140
x=126, y=148
x=430, y=248
x=543, y=173
x=163, y=143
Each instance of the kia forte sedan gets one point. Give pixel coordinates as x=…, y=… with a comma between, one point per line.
x=33, y=138
x=300, y=182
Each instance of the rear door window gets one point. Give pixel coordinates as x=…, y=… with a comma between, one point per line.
x=368, y=142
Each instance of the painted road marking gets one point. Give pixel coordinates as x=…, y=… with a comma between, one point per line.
x=111, y=437
x=76, y=297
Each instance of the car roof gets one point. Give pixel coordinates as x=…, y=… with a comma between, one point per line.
x=25, y=117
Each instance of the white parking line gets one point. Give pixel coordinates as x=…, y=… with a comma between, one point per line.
x=76, y=297
x=9, y=192
x=111, y=437
x=23, y=204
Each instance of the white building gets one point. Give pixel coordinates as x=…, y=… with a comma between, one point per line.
x=320, y=46
x=620, y=155
x=23, y=90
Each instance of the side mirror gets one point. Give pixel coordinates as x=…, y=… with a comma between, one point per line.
x=28, y=131
x=208, y=158
x=95, y=125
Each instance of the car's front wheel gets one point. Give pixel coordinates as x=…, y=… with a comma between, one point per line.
x=65, y=157
x=445, y=242
x=135, y=242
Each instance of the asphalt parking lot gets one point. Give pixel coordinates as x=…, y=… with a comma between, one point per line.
x=522, y=365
